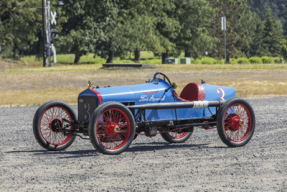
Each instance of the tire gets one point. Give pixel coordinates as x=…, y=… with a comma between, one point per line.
x=44, y=124
x=175, y=137
x=236, y=122
x=136, y=135
x=112, y=128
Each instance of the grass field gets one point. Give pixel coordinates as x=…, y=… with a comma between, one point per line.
x=36, y=85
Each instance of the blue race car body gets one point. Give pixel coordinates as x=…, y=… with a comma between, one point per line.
x=112, y=117
x=153, y=92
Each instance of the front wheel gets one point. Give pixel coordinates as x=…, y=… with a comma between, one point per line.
x=112, y=128
x=48, y=125
x=177, y=137
x=236, y=122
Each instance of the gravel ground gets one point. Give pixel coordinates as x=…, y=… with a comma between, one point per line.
x=202, y=163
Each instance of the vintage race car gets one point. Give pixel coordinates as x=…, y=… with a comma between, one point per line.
x=112, y=117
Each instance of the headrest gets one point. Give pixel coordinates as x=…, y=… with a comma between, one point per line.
x=193, y=92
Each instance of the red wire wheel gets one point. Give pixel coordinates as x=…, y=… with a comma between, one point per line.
x=48, y=125
x=236, y=122
x=112, y=128
x=177, y=137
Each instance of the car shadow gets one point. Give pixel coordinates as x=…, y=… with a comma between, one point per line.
x=156, y=146
x=135, y=147
x=73, y=154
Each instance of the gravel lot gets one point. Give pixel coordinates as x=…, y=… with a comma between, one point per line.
x=203, y=163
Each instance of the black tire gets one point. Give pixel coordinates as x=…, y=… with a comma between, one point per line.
x=175, y=137
x=136, y=135
x=236, y=122
x=44, y=124
x=112, y=128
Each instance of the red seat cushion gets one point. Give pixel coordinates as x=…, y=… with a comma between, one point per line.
x=193, y=92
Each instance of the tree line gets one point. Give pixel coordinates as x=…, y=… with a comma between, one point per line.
x=111, y=28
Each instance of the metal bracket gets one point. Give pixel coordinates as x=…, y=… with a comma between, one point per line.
x=81, y=136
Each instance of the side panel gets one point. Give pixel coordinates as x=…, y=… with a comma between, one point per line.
x=154, y=92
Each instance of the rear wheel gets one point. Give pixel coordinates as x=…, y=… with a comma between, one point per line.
x=236, y=122
x=112, y=128
x=177, y=137
x=48, y=125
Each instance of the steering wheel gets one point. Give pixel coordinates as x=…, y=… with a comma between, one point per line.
x=161, y=74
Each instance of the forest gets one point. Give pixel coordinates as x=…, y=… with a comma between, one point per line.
x=109, y=28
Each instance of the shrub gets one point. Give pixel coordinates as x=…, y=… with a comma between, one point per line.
x=276, y=60
x=255, y=60
x=222, y=61
x=233, y=61
x=208, y=60
x=267, y=60
x=195, y=61
x=243, y=60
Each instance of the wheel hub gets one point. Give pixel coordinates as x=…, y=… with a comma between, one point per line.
x=116, y=129
x=56, y=125
x=112, y=129
x=235, y=122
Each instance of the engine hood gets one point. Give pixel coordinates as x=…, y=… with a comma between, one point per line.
x=141, y=93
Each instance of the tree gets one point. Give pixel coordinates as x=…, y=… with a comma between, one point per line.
x=167, y=27
x=261, y=7
x=193, y=17
x=285, y=23
x=284, y=49
x=239, y=25
x=140, y=34
x=130, y=27
x=20, y=24
x=82, y=28
x=272, y=35
x=254, y=48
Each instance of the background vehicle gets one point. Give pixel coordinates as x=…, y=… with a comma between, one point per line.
x=112, y=117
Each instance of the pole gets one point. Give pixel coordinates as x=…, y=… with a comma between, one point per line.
x=225, y=45
x=44, y=34
x=49, y=35
x=223, y=26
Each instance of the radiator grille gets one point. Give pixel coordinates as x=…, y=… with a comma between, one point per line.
x=86, y=107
